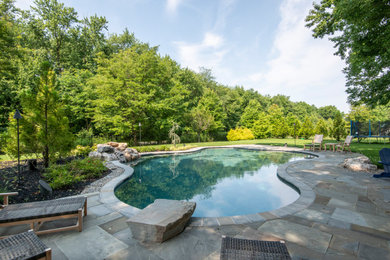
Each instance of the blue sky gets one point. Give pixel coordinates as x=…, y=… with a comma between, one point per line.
x=259, y=44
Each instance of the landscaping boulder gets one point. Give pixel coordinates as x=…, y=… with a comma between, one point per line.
x=105, y=148
x=361, y=163
x=122, y=146
x=95, y=154
x=113, y=144
x=161, y=220
x=113, y=151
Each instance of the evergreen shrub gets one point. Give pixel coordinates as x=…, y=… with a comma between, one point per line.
x=240, y=134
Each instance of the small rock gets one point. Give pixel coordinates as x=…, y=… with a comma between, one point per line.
x=109, y=157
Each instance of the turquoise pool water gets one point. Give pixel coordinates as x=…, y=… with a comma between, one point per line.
x=222, y=182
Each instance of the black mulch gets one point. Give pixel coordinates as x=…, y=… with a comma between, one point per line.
x=27, y=183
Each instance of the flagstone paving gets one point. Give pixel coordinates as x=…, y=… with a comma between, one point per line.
x=340, y=215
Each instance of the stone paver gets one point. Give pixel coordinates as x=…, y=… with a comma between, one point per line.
x=340, y=215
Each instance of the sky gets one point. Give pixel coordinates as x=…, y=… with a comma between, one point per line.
x=263, y=45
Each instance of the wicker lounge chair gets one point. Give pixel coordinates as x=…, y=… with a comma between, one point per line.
x=346, y=144
x=385, y=160
x=36, y=213
x=25, y=245
x=235, y=248
x=317, y=142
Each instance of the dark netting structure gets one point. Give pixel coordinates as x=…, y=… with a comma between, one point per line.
x=369, y=129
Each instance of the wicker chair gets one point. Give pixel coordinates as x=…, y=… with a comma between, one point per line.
x=25, y=245
x=36, y=213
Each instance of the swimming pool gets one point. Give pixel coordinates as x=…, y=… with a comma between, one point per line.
x=222, y=182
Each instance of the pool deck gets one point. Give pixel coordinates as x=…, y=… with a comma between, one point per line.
x=340, y=214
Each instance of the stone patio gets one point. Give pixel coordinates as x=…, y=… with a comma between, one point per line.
x=340, y=215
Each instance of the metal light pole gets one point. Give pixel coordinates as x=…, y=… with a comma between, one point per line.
x=139, y=124
x=18, y=116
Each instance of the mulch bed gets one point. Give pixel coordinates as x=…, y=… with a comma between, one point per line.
x=27, y=183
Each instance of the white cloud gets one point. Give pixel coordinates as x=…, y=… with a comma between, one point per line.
x=209, y=53
x=303, y=68
x=172, y=5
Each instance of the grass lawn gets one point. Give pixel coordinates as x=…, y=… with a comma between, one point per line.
x=367, y=149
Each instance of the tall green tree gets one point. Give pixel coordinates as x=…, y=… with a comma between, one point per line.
x=9, y=52
x=202, y=120
x=360, y=30
x=251, y=114
x=338, y=129
x=44, y=126
x=307, y=128
x=321, y=127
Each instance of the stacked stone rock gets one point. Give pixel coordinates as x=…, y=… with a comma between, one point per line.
x=113, y=151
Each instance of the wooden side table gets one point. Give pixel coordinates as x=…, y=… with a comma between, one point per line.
x=331, y=145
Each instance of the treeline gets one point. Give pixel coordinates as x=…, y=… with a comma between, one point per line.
x=72, y=81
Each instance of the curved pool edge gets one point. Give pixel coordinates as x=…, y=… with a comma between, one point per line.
x=307, y=195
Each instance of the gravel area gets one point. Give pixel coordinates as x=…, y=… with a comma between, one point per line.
x=98, y=184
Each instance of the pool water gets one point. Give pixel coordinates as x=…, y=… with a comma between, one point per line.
x=222, y=182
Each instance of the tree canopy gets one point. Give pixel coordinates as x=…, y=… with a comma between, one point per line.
x=360, y=30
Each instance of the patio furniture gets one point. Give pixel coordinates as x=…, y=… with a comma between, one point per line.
x=36, y=213
x=331, y=145
x=346, y=144
x=317, y=142
x=236, y=248
x=25, y=245
x=385, y=160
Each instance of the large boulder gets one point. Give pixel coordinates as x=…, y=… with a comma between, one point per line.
x=161, y=220
x=122, y=146
x=113, y=144
x=105, y=148
x=95, y=154
x=109, y=157
x=361, y=163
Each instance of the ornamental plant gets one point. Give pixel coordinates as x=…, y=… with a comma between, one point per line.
x=240, y=134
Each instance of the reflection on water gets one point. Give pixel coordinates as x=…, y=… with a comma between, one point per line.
x=222, y=182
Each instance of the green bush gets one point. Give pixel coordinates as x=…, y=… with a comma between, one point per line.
x=84, y=137
x=63, y=176
x=240, y=134
x=82, y=150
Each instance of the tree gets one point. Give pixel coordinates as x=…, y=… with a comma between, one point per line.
x=338, y=128
x=328, y=112
x=9, y=52
x=201, y=120
x=307, y=128
x=360, y=31
x=321, y=127
x=251, y=114
x=262, y=128
x=44, y=127
x=279, y=127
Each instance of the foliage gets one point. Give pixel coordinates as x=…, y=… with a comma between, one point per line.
x=338, y=129
x=44, y=128
x=307, y=128
x=63, y=176
x=360, y=31
x=85, y=137
x=201, y=120
x=82, y=150
x=321, y=127
x=240, y=134
x=261, y=128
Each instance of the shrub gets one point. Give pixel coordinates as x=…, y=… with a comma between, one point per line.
x=82, y=150
x=240, y=134
x=62, y=176
x=84, y=137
